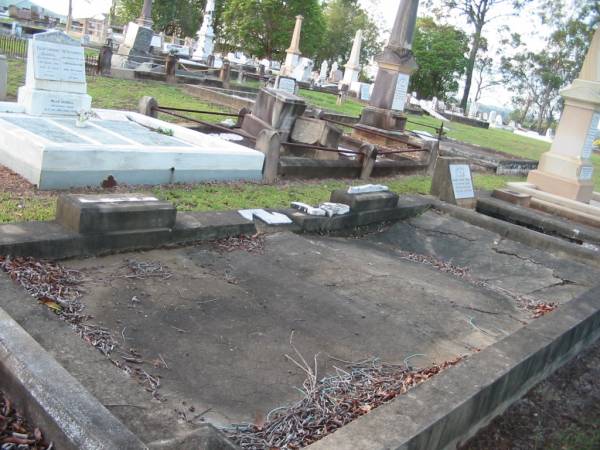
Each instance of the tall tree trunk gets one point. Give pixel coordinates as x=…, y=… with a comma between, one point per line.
x=526, y=110
x=471, y=65
x=540, y=120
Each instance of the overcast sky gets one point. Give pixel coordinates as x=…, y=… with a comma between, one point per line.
x=526, y=23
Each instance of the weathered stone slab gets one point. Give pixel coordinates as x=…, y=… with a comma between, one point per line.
x=366, y=201
x=407, y=207
x=452, y=182
x=114, y=212
x=514, y=197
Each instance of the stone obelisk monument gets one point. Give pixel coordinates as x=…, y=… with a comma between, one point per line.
x=293, y=53
x=206, y=34
x=566, y=170
x=352, y=68
x=396, y=64
x=145, y=18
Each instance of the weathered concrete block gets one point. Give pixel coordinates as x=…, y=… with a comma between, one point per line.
x=317, y=132
x=407, y=207
x=87, y=214
x=514, y=197
x=278, y=109
x=147, y=106
x=365, y=202
x=452, y=182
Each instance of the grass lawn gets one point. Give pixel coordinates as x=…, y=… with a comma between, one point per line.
x=125, y=94
x=112, y=93
x=16, y=207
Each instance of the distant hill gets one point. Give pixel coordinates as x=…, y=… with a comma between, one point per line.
x=27, y=5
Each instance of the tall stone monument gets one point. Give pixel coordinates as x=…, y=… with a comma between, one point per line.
x=206, y=34
x=396, y=64
x=138, y=38
x=352, y=68
x=55, y=81
x=293, y=53
x=566, y=170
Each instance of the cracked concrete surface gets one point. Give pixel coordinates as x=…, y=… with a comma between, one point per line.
x=223, y=321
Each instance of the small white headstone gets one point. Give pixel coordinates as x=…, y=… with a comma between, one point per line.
x=55, y=81
x=365, y=91
x=588, y=146
x=400, y=93
x=462, y=183
x=286, y=84
x=586, y=173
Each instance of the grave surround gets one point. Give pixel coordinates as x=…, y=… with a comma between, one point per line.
x=55, y=154
x=43, y=141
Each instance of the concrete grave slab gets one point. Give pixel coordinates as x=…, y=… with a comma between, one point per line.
x=54, y=154
x=222, y=320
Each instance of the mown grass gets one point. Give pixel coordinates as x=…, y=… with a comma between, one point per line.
x=112, y=93
x=225, y=196
x=125, y=94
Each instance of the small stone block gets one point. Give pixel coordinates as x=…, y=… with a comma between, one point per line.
x=516, y=198
x=452, y=182
x=365, y=202
x=97, y=214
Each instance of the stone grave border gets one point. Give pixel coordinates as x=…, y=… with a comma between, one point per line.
x=435, y=415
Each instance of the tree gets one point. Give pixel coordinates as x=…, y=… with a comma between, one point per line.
x=343, y=18
x=478, y=13
x=180, y=17
x=537, y=77
x=440, y=54
x=264, y=28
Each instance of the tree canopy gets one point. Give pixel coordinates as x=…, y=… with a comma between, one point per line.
x=536, y=77
x=264, y=28
x=343, y=18
x=440, y=54
x=181, y=17
x=478, y=13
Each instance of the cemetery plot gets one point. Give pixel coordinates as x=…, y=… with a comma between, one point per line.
x=204, y=331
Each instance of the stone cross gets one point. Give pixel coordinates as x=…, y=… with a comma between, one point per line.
x=293, y=53
x=566, y=170
x=353, y=65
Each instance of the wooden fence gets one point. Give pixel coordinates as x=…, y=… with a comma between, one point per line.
x=12, y=46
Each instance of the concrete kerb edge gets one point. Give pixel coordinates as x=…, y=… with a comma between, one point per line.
x=520, y=234
x=437, y=415
x=55, y=401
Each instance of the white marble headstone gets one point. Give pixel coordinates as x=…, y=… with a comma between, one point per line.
x=462, y=183
x=55, y=81
x=286, y=84
x=588, y=146
x=400, y=92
